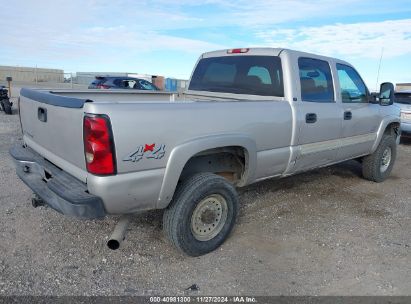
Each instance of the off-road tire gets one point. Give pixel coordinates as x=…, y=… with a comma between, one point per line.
x=371, y=164
x=177, y=219
x=6, y=106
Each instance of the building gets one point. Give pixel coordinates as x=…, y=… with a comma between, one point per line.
x=31, y=74
x=402, y=86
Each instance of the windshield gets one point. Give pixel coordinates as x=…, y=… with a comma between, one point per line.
x=254, y=75
x=404, y=98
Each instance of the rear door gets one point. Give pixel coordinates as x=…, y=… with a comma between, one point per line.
x=361, y=119
x=318, y=116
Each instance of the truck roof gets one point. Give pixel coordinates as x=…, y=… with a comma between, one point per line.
x=268, y=51
x=250, y=51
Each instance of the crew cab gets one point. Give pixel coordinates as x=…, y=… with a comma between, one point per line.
x=248, y=114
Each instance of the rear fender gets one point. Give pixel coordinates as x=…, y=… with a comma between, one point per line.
x=181, y=154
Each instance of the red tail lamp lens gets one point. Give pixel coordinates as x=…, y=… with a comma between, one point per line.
x=98, y=145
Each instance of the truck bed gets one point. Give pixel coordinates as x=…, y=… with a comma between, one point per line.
x=140, y=118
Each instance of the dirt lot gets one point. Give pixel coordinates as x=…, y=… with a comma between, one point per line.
x=327, y=232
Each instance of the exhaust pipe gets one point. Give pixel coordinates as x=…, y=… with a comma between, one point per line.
x=119, y=233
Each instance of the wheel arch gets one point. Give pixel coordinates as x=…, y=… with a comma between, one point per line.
x=390, y=125
x=181, y=155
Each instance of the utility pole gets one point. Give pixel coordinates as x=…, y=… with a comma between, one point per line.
x=9, y=79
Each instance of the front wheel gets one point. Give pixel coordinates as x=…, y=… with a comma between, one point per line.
x=378, y=166
x=201, y=214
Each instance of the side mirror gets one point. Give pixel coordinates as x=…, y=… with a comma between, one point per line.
x=386, y=94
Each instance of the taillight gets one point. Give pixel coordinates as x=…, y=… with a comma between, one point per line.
x=98, y=145
x=103, y=86
x=237, y=51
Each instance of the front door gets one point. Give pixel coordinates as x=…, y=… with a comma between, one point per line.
x=360, y=118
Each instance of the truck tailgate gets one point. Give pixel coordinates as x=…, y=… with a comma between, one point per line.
x=53, y=126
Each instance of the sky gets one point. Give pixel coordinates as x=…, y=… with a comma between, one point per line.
x=166, y=37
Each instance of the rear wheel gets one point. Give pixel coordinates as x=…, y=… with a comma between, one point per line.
x=201, y=214
x=378, y=166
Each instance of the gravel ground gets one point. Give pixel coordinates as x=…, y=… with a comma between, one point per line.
x=327, y=232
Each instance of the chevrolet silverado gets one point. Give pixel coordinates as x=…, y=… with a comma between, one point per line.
x=248, y=114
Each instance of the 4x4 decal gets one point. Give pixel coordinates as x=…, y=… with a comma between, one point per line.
x=148, y=151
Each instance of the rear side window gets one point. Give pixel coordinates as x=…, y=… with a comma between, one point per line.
x=146, y=85
x=315, y=80
x=125, y=83
x=254, y=75
x=353, y=89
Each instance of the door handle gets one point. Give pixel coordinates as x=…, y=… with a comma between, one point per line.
x=311, y=118
x=42, y=114
x=347, y=115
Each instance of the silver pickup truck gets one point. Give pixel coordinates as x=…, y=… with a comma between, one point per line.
x=247, y=115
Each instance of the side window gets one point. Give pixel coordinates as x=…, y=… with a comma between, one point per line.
x=127, y=84
x=146, y=85
x=315, y=80
x=132, y=84
x=353, y=89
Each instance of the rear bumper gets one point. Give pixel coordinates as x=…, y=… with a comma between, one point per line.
x=58, y=189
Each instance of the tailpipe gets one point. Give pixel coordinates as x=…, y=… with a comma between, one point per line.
x=119, y=233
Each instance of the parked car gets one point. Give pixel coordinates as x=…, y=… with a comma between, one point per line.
x=403, y=101
x=122, y=83
x=248, y=115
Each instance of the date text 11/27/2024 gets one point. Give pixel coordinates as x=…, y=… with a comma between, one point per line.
x=203, y=299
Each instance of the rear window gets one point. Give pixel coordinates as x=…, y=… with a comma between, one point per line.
x=404, y=98
x=254, y=75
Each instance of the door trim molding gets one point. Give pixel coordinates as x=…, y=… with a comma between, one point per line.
x=334, y=144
